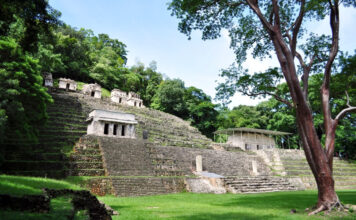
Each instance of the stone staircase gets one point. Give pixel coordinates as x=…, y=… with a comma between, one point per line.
x=147, y=186
x=87, y=159
x=49, y=158
x=258, y=184
x=295, y=165
x=125, y=157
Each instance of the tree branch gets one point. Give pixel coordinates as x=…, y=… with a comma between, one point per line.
x=346, y=110
x=297, y=25
x=285, y=101
x=329, y=123
x=254, y=6
x=306, y=71
x=277, y=20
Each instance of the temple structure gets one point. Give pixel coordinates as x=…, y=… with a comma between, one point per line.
x=48, y=80
x=93, y=90
x=111, y=124
x=250, y=138
x=126, y=98
x=67, y=84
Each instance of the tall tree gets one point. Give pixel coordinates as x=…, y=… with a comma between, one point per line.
x=202, y=112
x=169, y=98
x=278, y=25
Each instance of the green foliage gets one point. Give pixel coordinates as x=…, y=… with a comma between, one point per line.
x=202, y=112
x=150, y=80
x=36, y=16
x=105, y=93
x=245, y=116
x=169, y=98
x=23, y=98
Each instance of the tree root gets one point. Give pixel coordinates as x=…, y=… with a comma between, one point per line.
x=320, y=209
x=328, y=208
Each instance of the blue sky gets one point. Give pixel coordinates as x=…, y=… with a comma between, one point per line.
x=151, y=34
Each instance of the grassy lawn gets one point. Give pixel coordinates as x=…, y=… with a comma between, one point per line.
x=182, y=206
x=189, y=206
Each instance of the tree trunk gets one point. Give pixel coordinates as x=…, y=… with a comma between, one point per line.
x=318, y=161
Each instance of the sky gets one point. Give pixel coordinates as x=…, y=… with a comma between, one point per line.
x=151, y=34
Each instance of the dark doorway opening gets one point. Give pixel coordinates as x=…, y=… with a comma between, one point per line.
x=67, y=86
x=115, y=130
x=106, y=128
x=92, y=93
x=123, y=130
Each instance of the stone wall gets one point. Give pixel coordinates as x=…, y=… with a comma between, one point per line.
x=125, y=157
x=147, y=186
x=224, y=163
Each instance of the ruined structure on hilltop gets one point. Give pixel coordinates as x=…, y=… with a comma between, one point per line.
x=250, y=138
x=111, y=124
x=67, y=84
x=126, y=98
x=94, y=90
x=48, y=79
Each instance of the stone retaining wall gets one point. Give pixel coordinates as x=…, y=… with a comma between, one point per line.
x=224, y=163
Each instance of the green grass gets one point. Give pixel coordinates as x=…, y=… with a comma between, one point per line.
x=20, y=185
x=189, y=206
x=181, y=206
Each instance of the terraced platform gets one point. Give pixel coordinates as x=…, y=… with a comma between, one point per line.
x=292, y=163
x=49, y=158
x=258, y=184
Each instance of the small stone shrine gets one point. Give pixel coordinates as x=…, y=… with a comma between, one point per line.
x=134, y=99
x=48, y=80
x=250, y=138
x=124, y=98
x=118, y=96
x=93, y=90
x=111, y=124
x=67, y=84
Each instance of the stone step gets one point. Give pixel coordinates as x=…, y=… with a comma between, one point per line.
x=336, y=168
x=80, y=165
x=86, y=152
x=61, y=133
x=86, y=172
x=307, y=172
x=77, y=115
x=159, y=172
x=147, y=186
x=49, y=138
x=66, y=126
x=247, y=191
x=57, y=174
x=35, y=156
x=87, y=157
x=256, y=184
